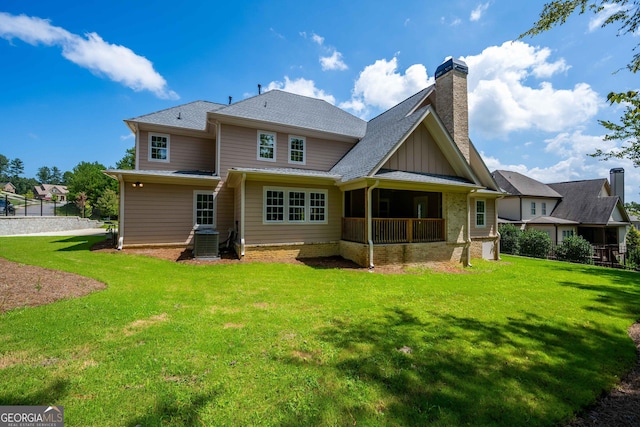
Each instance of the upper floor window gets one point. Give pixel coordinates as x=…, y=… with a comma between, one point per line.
x=533, y=208
x=266, y=146
x=543, y=208
x=158, y=147
x=297, y=149
x=481, y=213
x=204, y=209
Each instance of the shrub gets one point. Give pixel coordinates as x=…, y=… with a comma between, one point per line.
x=633, y=257
x=535, y=243
x=575, y=249
x=633, y=239
x=509, y=235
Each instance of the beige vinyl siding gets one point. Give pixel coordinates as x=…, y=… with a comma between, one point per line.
x=185, y=153
x=490, y=219
x=225, y=209
x=159, y=213
x=420, y=153
x=239, y=149
x=259, y=233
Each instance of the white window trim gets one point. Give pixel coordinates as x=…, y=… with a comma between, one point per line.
x=304, y=150
x=484, y=214
x=163, y=135
x=195, y=209
x=307, y=212
x=275, y=145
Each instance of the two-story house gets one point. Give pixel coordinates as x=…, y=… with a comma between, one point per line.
x=297, y=176
x=587, y=208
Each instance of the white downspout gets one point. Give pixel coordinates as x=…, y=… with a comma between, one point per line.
x=242, y=211
x=468, y=237
x=121, y=213
x=369, y=223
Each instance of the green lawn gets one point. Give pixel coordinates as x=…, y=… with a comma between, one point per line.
x=508, y=343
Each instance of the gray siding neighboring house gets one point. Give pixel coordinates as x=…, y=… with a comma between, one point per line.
x=586, y=208
x=296, y=176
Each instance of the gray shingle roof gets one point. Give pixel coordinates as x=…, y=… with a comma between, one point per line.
x=383, y=133
x=424, y=178
x=289, y=109
x=581, y=201
x=189, y=116
x=517, y=184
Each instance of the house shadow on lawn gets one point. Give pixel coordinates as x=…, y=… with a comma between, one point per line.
x=460, y=371
x=172, y=410
x=53, y=391
x=82, y=243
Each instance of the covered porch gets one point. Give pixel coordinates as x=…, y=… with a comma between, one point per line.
x=398, y=216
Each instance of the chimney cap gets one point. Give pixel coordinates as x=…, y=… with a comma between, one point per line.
x=616, y=170
x=452, y=64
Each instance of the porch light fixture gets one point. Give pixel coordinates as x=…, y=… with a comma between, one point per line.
x=137, y=184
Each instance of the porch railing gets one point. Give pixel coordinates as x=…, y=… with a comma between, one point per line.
x=394, y=230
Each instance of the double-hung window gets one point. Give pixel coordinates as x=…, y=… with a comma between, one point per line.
x=204, y=209
x=297, y=148
x=481, y=213
x=267, y=146
x=295, y=205
x=543, y=208
x=533, y=208
x=158, y=147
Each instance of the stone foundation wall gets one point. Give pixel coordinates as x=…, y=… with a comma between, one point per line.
x=275, y=252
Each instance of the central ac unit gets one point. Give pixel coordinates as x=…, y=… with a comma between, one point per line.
x=205, y=244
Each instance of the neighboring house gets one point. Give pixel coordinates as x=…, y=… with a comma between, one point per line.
x=585, y=208
x=299, y=177
x=8, y=187
x=48, y=191
x=635, y=221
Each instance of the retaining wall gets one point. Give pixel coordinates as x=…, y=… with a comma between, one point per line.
x=39, y=224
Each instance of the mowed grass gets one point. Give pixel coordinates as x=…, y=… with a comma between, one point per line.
x=516, y=342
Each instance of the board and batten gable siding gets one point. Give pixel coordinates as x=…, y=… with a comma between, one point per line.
x=239, y=148
x=257, y=232
x=490, y=219
x=185, y=153
x=420, y=153
x=159, y=213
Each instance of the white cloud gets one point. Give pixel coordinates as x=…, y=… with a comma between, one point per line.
x=607, y=10
x=476, y=14
x=118, y=63
x=380, y=85
x=317, y=39
x=333, y=62
x=303, y=87
x=500, y=102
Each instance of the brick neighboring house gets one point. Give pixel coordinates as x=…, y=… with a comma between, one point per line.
x=8, y=187
x=587, y=208
x=48, y=191
x=299, y=177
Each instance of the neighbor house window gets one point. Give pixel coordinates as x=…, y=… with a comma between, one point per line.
x=158, y=148
x=274, y=206
x=543, y=208
x=300, y=205
x=297, y=149
x=567, y=233
x=204, y=210
x=266, y=146
x=533, y=208
x=481, y=213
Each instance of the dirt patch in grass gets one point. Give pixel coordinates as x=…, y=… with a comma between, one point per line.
x=28, y=286
x=138, y=325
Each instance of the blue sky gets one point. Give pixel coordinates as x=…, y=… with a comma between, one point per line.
x=71, y=72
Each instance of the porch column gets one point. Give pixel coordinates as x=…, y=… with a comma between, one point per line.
x=367, y=214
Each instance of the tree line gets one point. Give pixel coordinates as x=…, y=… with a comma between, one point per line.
x=90, y=189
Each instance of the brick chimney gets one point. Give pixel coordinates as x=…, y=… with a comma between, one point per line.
x=451, y=101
